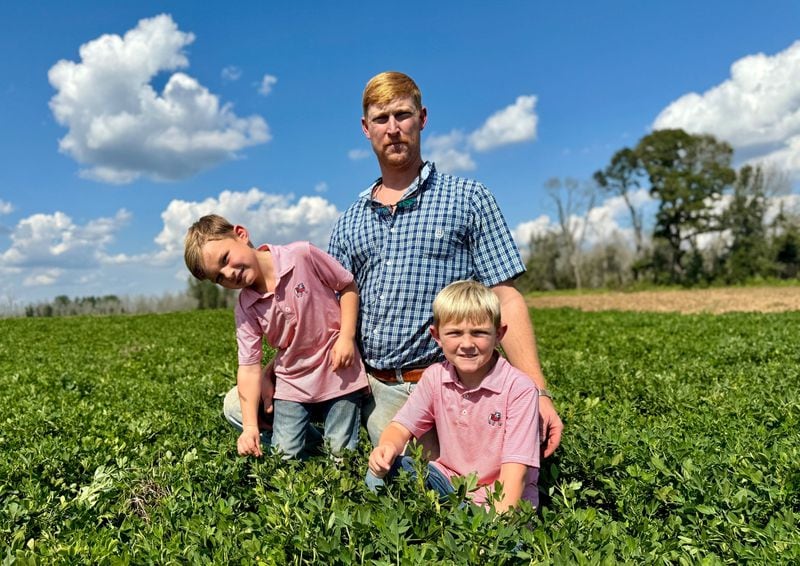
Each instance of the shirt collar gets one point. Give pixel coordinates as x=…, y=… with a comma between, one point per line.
x=282, y=264
x=428, y=169
x=492, y=381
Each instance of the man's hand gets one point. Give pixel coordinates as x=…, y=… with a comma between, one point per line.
x=249, y=442
x=381, y=459
x=550, y=425
x=342, y=353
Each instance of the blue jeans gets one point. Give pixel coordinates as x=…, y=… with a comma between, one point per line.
x=434, y=479
x=341, y=417
x=232, y=411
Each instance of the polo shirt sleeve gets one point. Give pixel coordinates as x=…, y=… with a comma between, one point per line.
x=495, y=255
x=521, y=440
x=417, y=414
x=328, y=270
x=248, y=336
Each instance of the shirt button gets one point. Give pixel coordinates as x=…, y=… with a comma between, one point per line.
x=388, y=262
x=464, y=412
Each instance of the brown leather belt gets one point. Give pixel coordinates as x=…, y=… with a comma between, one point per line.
x=396, y=375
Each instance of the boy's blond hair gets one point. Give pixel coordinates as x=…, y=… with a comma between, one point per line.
x=208, y=228
x=466, y=300
x=387, y=86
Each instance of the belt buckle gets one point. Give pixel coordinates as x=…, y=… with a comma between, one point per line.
x=398, y=375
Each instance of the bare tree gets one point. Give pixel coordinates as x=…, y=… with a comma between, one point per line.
x=574, y=200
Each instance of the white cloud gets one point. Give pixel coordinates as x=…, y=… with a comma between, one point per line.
x=444, y=151
x=357, y=154
x=321, y=187
x=6, y=207
x=45, y=247
x=121, y=128
x=266, y=85
x=513, y=124
x=231, y=73
x=275, y=219
x=757, y=110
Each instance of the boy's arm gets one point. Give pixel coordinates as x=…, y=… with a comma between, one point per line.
x=343, y=350
x=248, y=384
x=393, y=441
x=512, y=478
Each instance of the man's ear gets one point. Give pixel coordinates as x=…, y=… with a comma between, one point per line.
x=435, y=334
x=501, y=331
x=364, y=127
x=423, y=118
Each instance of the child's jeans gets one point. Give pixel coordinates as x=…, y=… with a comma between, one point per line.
x=341, y=417
x=434, y=479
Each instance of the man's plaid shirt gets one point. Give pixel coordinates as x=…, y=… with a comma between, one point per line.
x=453, y=230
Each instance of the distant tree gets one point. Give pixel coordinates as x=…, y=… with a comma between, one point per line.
x=543, y=271
x=688, y=174
x=209, y=295
x=573, y=201
x=621, y=177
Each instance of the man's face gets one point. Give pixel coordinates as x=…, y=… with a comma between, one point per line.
x=468, y=345
x=394, y=131
x=231, y=262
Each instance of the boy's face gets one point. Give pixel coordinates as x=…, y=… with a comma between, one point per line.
x=231, y=262
x=469, y=346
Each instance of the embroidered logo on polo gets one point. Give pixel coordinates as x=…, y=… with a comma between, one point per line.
x=300, y=291
x=496, y=419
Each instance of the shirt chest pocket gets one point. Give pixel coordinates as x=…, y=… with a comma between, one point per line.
x=441, y=241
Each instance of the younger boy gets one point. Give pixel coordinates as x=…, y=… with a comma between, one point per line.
x=485, y=411
x=288, y=297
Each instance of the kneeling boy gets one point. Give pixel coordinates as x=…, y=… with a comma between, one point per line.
x=288, y=296
x=485, y=411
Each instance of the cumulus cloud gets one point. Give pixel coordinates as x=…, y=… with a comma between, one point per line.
x=121, y=128
x=231, y=73
x=266, y=85
x=514, y=124
x=757, y=109
x=6, y=207
x=321, y=187
x=275, y=219
x=44, y=247
x=445, y=151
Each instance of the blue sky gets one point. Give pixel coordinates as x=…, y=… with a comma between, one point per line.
x=122, y=122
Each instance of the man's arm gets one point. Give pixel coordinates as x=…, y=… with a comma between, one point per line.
x=519, y=344
x=248, y=383
x=512, y=478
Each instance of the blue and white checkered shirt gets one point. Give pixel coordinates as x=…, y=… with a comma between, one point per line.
x=448, y=228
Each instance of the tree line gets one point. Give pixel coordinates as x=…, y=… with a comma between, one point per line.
x=713, y=224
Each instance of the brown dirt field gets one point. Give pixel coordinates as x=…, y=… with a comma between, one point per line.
x=715, y=301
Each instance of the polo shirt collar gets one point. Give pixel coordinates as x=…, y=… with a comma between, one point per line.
x=493, y=381
x=281, y=263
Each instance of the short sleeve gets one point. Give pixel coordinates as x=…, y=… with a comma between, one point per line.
x=495, y=255
x=329, y=271
x=248, y=337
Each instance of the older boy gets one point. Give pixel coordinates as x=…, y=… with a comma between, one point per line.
x=288, y=297
x=484, y=410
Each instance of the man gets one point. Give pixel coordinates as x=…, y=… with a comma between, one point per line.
x=411, y=233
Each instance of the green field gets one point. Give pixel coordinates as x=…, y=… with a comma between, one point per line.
x=682, y=445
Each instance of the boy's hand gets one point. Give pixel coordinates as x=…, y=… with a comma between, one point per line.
x=381, y=459
x=249, y=443
x=267, y=388
x=342, y=353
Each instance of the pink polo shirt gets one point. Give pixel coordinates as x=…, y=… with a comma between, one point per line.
x=301, y=320
x=479, y=429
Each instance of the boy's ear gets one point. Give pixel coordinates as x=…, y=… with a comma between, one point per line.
x=501, y=331
x=241, y=233
x=435, y=334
